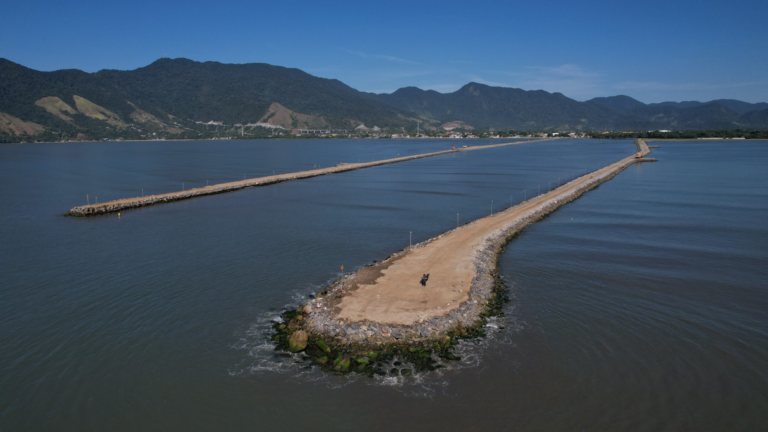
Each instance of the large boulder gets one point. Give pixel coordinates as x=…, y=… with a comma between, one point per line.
x=298, y=341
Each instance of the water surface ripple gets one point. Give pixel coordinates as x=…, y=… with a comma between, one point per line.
x=640, y=306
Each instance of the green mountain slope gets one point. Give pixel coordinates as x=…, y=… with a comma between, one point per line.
x=25, y=92
x=184, y=98
x=732, y=104
x=242, y=93
x=172, y=97
x=706, y=116
x=756, y=119
x=620, y=103
x=486, y=107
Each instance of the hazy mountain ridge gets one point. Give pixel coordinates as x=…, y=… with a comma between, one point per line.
x=185, y=98
x=619, y=103
x=716, y=114
x=486, y=107
x=732, y=104
x=626, y=103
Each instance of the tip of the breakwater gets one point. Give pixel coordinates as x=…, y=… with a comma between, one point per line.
x=387, y=307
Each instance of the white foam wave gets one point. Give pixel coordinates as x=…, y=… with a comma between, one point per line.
x=260, y=355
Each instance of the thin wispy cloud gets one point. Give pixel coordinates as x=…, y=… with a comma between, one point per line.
x=324, y=70
x=567, y=71
x=384, y=57
x=389, y=75
x=655, y=85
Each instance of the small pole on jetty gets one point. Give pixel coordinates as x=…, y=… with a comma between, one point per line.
x=88, y=199
x=491, y=207
x=142, y=192
x=410, y=240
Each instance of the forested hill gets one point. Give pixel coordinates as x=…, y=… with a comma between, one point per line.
x=188, y=99
x=485, y=107
x=176, y=98
x=242, y=93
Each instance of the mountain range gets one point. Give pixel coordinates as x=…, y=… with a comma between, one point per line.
x=185, y=98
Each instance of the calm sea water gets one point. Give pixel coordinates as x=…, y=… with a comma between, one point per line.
x=640, y=306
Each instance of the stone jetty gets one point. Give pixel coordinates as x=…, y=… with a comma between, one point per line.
x=130, y=203
x=383, y=310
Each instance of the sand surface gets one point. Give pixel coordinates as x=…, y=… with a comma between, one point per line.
x=396, y=295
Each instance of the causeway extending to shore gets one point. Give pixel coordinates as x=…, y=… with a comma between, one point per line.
x=129, y=203
x=384, y=307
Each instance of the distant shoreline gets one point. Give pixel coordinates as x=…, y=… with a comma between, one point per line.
x=277, y=138
x=387, y=138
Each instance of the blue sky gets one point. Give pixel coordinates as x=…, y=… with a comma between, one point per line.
x=653, y=51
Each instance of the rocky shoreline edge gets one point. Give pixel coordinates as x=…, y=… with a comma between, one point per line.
x=363, y=347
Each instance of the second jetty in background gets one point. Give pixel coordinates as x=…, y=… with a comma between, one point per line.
x=130, y=203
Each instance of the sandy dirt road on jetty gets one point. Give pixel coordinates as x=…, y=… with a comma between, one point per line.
x=393, y=294
x=129, y=203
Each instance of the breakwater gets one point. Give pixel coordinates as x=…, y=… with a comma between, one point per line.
x=382, y=310
x=130, y=203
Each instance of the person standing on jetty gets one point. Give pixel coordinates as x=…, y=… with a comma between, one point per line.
x=424, y=280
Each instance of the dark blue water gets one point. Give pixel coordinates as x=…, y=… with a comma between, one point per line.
x=640, y=306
